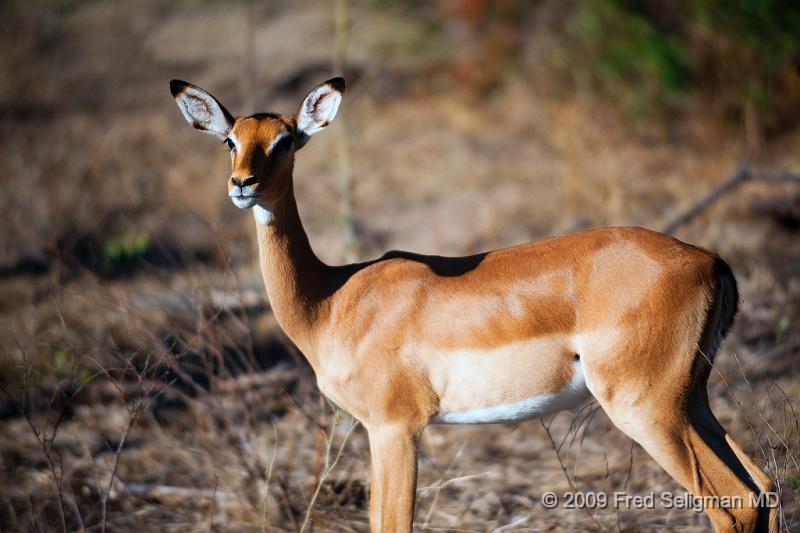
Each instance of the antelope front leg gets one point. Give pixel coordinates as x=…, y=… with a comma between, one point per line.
x=393, y=483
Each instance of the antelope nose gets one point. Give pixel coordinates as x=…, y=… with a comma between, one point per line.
x=250, y=180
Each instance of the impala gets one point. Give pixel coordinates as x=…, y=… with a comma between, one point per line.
x=627, y=316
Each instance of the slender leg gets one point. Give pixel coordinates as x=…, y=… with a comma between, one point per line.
x=707, y=429
x=694, y=449
x=393, y=478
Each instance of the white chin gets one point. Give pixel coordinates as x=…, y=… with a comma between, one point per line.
x=244, y=202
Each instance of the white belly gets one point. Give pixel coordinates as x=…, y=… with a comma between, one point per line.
x=573, y=395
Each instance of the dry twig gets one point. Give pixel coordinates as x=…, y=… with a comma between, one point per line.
x=329, y=465
x=743, y=174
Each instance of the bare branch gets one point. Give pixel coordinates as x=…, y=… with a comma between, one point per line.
x=743, y=174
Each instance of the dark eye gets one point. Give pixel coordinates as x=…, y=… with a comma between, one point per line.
x=284, y=145
x=229, y=143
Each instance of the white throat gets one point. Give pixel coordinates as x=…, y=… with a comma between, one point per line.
x=264, y=215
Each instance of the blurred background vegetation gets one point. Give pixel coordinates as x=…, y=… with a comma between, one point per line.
x=129, y=294
x=740, y=58
x=661, y=66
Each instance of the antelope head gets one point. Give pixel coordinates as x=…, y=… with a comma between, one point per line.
x=262, y=145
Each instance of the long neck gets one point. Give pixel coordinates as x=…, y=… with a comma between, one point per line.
x=294, y=277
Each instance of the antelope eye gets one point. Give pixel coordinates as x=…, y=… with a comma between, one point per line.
x=229, y=143
x=285, y=144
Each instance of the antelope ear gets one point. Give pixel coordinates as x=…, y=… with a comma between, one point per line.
x=201, y=110
x=319, y=108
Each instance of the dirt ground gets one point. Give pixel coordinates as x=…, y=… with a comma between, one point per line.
x=135, y=335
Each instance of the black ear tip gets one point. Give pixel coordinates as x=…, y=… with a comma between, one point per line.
x=177, y=86
x=337, y=83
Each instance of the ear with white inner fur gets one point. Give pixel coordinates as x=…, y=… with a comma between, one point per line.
x=319, y=108
x=201, y=110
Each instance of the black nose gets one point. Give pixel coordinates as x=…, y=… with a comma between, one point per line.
x=246, y=183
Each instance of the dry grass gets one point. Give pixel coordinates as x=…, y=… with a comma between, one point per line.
x=230, y=432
